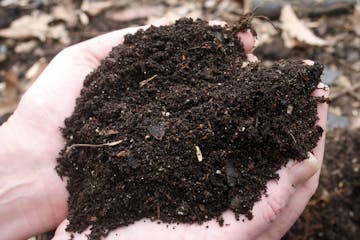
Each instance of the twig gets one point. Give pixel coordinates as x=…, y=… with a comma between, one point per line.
x=345, y=91
x=110, y=144
x=292, y=136
x=146, y=81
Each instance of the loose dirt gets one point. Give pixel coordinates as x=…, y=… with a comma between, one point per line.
x=175, y=125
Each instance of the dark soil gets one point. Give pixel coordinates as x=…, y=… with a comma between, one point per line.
x=175, y=126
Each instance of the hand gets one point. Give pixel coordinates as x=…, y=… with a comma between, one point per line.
x=33, y=198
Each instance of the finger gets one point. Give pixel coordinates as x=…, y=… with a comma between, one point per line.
x=217, y=22
x=322, y=108
x=291, y=213
x=99, y=47
x=303, y=171
x=300, y=198
x=62, y=234
x=252, y=57
x=248, y=40
x=308, y=62
x=310, y=168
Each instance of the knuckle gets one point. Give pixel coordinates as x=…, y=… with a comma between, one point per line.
x=273, y=208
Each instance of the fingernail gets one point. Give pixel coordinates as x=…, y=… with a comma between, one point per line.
x=252, y=58
x=323, y=86
x=313, y=161
x=308, y=62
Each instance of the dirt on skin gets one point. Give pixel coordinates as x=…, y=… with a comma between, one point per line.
x=175, y=125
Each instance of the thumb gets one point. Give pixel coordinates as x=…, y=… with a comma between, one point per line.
x=303, y=171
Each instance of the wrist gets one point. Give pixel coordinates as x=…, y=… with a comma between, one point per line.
x=26, y=175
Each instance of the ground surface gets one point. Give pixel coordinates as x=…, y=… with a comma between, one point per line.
x=338, y=193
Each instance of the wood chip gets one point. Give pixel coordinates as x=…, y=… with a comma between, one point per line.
x=146, y=81
x=108, y=132
x=198, y=153
x=294, y=30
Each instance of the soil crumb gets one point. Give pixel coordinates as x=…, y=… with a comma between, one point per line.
x=175, y=125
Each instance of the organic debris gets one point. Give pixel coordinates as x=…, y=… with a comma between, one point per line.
x=206, y=131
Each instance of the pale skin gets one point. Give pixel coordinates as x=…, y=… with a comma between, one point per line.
x=33, y=199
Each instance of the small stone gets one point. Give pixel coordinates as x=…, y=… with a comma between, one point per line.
x=157, y=130
x=231, y=174
x=290, y=109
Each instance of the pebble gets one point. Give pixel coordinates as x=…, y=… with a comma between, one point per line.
x=157, y=130
x=231, y=173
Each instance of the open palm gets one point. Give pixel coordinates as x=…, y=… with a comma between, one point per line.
x=34, y=131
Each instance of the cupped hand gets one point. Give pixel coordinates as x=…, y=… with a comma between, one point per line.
x=36, y=197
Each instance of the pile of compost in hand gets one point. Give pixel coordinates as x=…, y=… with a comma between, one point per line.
x=175, y=125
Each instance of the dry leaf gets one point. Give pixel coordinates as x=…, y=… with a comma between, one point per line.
x=108, y=132
x=33, y=73
x=9, y=97
x=343, y=82
x=95, y=7
x=356, y=20
x=84, y=19
x=35, y=70
x=35, y=25
x=294, y=31
x=265, y=31
x=136, y=13
x=188, y=10
x=59, y=32
x=356, y=66
x=65, y=12
x=25, y=47
x=355, y=122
